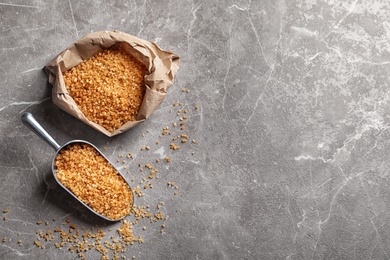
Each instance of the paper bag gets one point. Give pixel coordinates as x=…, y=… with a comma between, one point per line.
x=161, y=69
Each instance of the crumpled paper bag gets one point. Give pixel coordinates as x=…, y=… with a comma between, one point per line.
x=161, y=69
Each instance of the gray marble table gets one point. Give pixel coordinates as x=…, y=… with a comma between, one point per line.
x=291, y=153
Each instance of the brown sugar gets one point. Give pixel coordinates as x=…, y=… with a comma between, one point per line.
x=108, y=87
x=173, y=146
x=89, y=176
x=126, y=234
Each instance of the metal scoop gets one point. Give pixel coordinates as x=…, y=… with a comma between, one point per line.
x=29, y=120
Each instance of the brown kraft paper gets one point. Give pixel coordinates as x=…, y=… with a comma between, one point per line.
x=161, y=69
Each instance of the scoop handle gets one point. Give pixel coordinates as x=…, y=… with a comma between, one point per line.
x=29, y=120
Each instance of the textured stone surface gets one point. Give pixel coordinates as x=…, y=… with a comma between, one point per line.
x=292, y=159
